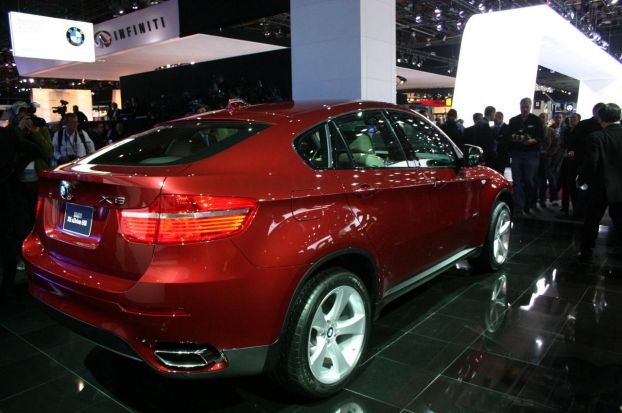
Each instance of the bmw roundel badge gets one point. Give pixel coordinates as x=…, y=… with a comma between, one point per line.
x=75, y=36
x=66, y=189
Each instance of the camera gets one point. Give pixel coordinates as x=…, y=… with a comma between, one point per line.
x=62, y=109
x=521, y=136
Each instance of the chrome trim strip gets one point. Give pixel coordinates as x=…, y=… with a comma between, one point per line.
x=206, y=214
x=132, y=214
x=430, y=271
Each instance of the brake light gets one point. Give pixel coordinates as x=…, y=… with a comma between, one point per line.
x=39, y=205
x=180, y=219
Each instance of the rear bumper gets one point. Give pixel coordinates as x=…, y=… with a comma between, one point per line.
x=234, y=311
x=234, y=362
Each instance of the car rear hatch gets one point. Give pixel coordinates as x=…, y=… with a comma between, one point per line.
x=79, y=223
x=104, y=213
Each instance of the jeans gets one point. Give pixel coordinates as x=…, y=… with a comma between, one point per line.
x=524, y=168
x=547, y=175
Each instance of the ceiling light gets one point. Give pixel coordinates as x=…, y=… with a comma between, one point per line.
x=439, y=27
x=418, y=19
x=481, y=7
x=461, y=14
x=459, y=25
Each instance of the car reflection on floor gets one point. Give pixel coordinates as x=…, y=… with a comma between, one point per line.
x=542, y=335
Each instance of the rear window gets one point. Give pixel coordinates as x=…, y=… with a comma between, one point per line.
x=176, y=144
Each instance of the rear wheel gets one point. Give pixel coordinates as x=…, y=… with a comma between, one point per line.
x=326, y=334
x=495, y=250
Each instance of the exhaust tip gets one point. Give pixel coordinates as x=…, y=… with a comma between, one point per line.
x=187, y=356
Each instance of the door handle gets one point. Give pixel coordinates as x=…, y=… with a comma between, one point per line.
x=364, y=190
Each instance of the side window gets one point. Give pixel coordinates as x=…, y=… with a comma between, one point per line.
x=429, y=146
x=312, y=147
x=371, y=140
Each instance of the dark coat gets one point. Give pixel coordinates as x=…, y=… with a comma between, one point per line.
x=531, y=126
x=581, y=133
x=602, y=169
x=452, y=130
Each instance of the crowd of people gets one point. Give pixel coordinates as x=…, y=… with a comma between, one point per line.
x=555, y=163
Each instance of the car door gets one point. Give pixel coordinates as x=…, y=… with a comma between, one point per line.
x=454, y=195
x=390, y=199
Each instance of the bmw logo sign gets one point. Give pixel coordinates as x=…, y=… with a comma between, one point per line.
x=75, y=36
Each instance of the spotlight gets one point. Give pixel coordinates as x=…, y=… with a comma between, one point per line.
x=459, y=25
x=437, y=11
x=481, y=7
x=461, y=14
x=439, y=27
x=418, y=19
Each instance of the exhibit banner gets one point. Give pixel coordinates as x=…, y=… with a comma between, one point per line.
x=41, y=37
x=150, y=25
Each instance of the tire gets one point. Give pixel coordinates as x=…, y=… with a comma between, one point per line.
x=494, y=253
x=319, y=354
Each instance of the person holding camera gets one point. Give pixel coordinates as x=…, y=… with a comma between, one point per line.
x=526, y=132
x=71, y=143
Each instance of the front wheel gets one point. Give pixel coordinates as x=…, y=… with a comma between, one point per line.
x=326, y=334
x=496, y=246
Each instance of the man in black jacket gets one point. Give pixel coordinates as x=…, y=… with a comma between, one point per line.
x=451, y=129
x=526, y=133
x=581, y=134
x=501, y=136
x=602, y=173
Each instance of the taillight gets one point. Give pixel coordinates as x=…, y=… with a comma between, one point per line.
x=39, y=205
x=180, y=219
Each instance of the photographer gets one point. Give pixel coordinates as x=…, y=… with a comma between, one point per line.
x=61, y=110
x=527, y=133
x=70, y=143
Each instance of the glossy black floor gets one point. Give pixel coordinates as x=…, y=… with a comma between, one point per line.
x=542, y=335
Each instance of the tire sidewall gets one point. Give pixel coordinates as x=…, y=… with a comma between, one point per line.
x=325, y=283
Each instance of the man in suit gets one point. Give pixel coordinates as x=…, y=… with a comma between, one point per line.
x=581, y=133
x=501, y=136
x=602, y=172
x=451, y=129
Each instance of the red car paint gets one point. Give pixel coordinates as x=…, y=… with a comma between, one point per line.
x=234, y=292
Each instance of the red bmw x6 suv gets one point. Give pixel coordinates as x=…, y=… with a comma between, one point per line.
x=260, y=238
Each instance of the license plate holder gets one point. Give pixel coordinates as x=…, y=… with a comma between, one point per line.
x=78, y=219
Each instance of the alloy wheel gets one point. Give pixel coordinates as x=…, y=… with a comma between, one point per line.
x=337, y=334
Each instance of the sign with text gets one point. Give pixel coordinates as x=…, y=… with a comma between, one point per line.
x=146, y=26
x=41, y=37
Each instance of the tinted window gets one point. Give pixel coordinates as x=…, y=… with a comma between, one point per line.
x=182, y=143
x=340, y=152
x=427, y=143
x=370, y=140
x=312, y=146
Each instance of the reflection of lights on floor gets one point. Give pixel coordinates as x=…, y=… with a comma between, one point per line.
x=541, y=287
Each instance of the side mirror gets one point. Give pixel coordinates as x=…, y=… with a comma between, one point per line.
x=474, y=155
